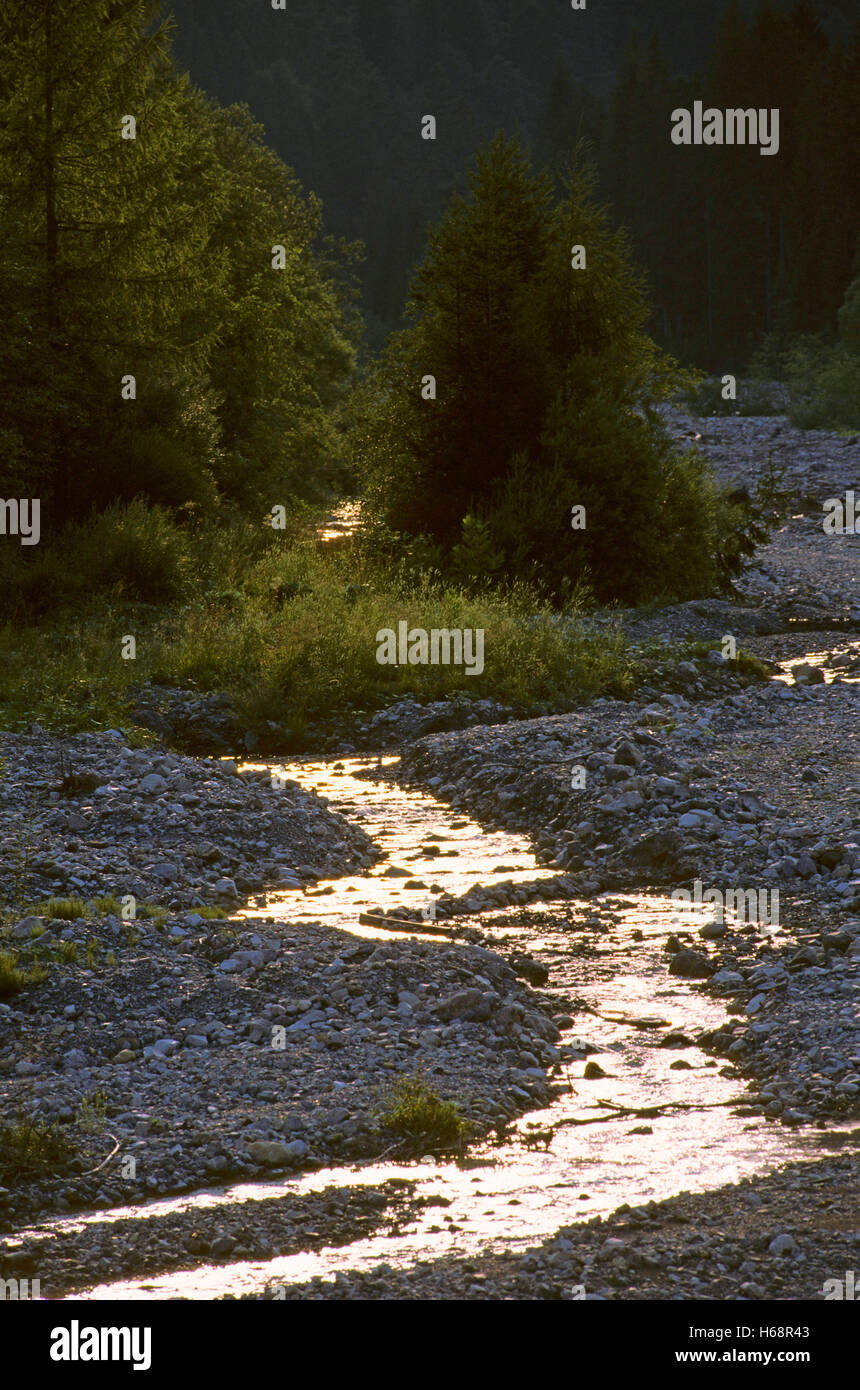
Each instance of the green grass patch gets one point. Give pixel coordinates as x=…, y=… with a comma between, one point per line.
x=12, y=977
x=63, y=909
x=746, y=663
x=298, y=640
x=92, y=1113
x=108, y=906
x=152, y=913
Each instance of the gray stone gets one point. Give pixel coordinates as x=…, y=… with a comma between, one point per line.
x=271, y=1154
x=783, y=1245
x=466, y=1003
x=154, y=783
x=690, y=965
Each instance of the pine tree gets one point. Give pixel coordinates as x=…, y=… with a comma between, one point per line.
x=285, y=345
x=465, y=302
x=545, y=386
x=106, y=236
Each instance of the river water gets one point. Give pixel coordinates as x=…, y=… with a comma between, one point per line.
x=556, y=1166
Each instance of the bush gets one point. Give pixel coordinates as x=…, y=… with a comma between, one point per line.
x=417, y=1115
x=135, y=552
x=30, y=1149
x=153, y=465
x=825, y=388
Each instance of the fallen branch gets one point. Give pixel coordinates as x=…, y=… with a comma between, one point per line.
x=376, y=919
x=114, y=1151
x=648, y=1112
x=634, y=1022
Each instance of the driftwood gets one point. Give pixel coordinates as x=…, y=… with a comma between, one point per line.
x=376, y=919
x=633, y=1022
x=646, y=1112
x=114, y=1151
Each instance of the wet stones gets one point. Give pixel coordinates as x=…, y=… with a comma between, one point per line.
x=690, y=965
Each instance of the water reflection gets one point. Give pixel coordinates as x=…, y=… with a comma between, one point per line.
x=574, y=1159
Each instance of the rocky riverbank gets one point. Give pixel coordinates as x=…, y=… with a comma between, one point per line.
x=175, y=1044
x=203, y=1051
x=792, y=1235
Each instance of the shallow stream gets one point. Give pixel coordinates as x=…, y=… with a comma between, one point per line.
x=552, y=1169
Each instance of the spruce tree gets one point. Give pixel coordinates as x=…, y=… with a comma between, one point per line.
x=106, y=236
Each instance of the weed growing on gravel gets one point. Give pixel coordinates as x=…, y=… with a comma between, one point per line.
x=107, y=906
x=92, y=1113
x=63, y=909
x=37, y=973
x=744, y=664
x=69, y=952
x=23, y=853
x=413, y=1111
x=151, y=913
x=12, y=979
x=30, y=1149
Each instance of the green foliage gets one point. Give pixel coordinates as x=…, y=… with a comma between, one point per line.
x=414, y=1112
x=546, y=384
x=12, y=978
x=30, y=1149
x=748, y=521
x=300, y=641
x=108, y=905
x=474, y=559
x=732, y=244
x=151, y=258
x=824, y=385
x=63, y=909
x=92, y=1113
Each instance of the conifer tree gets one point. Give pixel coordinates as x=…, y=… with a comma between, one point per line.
x=106, y=235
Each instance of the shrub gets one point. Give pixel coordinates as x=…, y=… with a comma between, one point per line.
x=150, y=463
x=415, y=1113
x=30, y=1149
x=137, y=552
x=825, y=389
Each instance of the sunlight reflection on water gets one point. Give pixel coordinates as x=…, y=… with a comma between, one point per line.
x=549, y=1170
